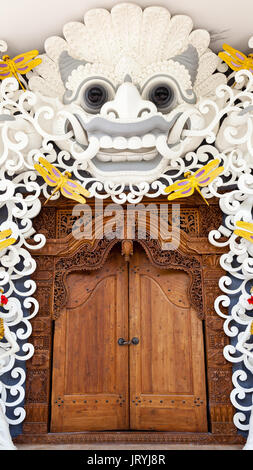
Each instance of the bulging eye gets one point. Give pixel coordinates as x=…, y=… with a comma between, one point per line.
x=94, y=96
x=162, y=95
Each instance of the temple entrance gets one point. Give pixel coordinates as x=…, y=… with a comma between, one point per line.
x=80, y=379
x=128, y=350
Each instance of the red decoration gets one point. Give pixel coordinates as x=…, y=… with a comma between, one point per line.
x=4, y=300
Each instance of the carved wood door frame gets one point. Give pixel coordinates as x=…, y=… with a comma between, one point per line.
x=195, y=255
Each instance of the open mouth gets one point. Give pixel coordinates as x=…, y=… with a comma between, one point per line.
x=118, y=150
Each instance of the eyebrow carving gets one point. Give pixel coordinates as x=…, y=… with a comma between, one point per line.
x=189, y=91
x=68, y=95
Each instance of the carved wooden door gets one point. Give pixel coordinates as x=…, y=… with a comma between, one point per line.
x=157, y=384
x=167, y=370
x=90, y=370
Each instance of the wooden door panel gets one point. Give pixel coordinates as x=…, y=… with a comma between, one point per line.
x=90, y=373
x=90, y=370
x=95, y=352
x=167, y=374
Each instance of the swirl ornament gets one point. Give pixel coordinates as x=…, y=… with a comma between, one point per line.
x=127, y=117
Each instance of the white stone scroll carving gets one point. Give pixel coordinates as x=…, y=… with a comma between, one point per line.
x=127, y=101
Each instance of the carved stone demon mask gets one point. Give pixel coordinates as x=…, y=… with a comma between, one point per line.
x=128, y=84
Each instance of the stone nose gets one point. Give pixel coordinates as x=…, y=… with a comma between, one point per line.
x=128, y=104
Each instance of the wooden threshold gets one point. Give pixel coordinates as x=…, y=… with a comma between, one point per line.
x=130, y=437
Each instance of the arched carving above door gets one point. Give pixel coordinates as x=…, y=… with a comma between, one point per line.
x=93, y=257
x=177, y=260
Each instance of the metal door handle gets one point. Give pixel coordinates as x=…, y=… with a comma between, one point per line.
x=135, y=340
x=123, y=342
